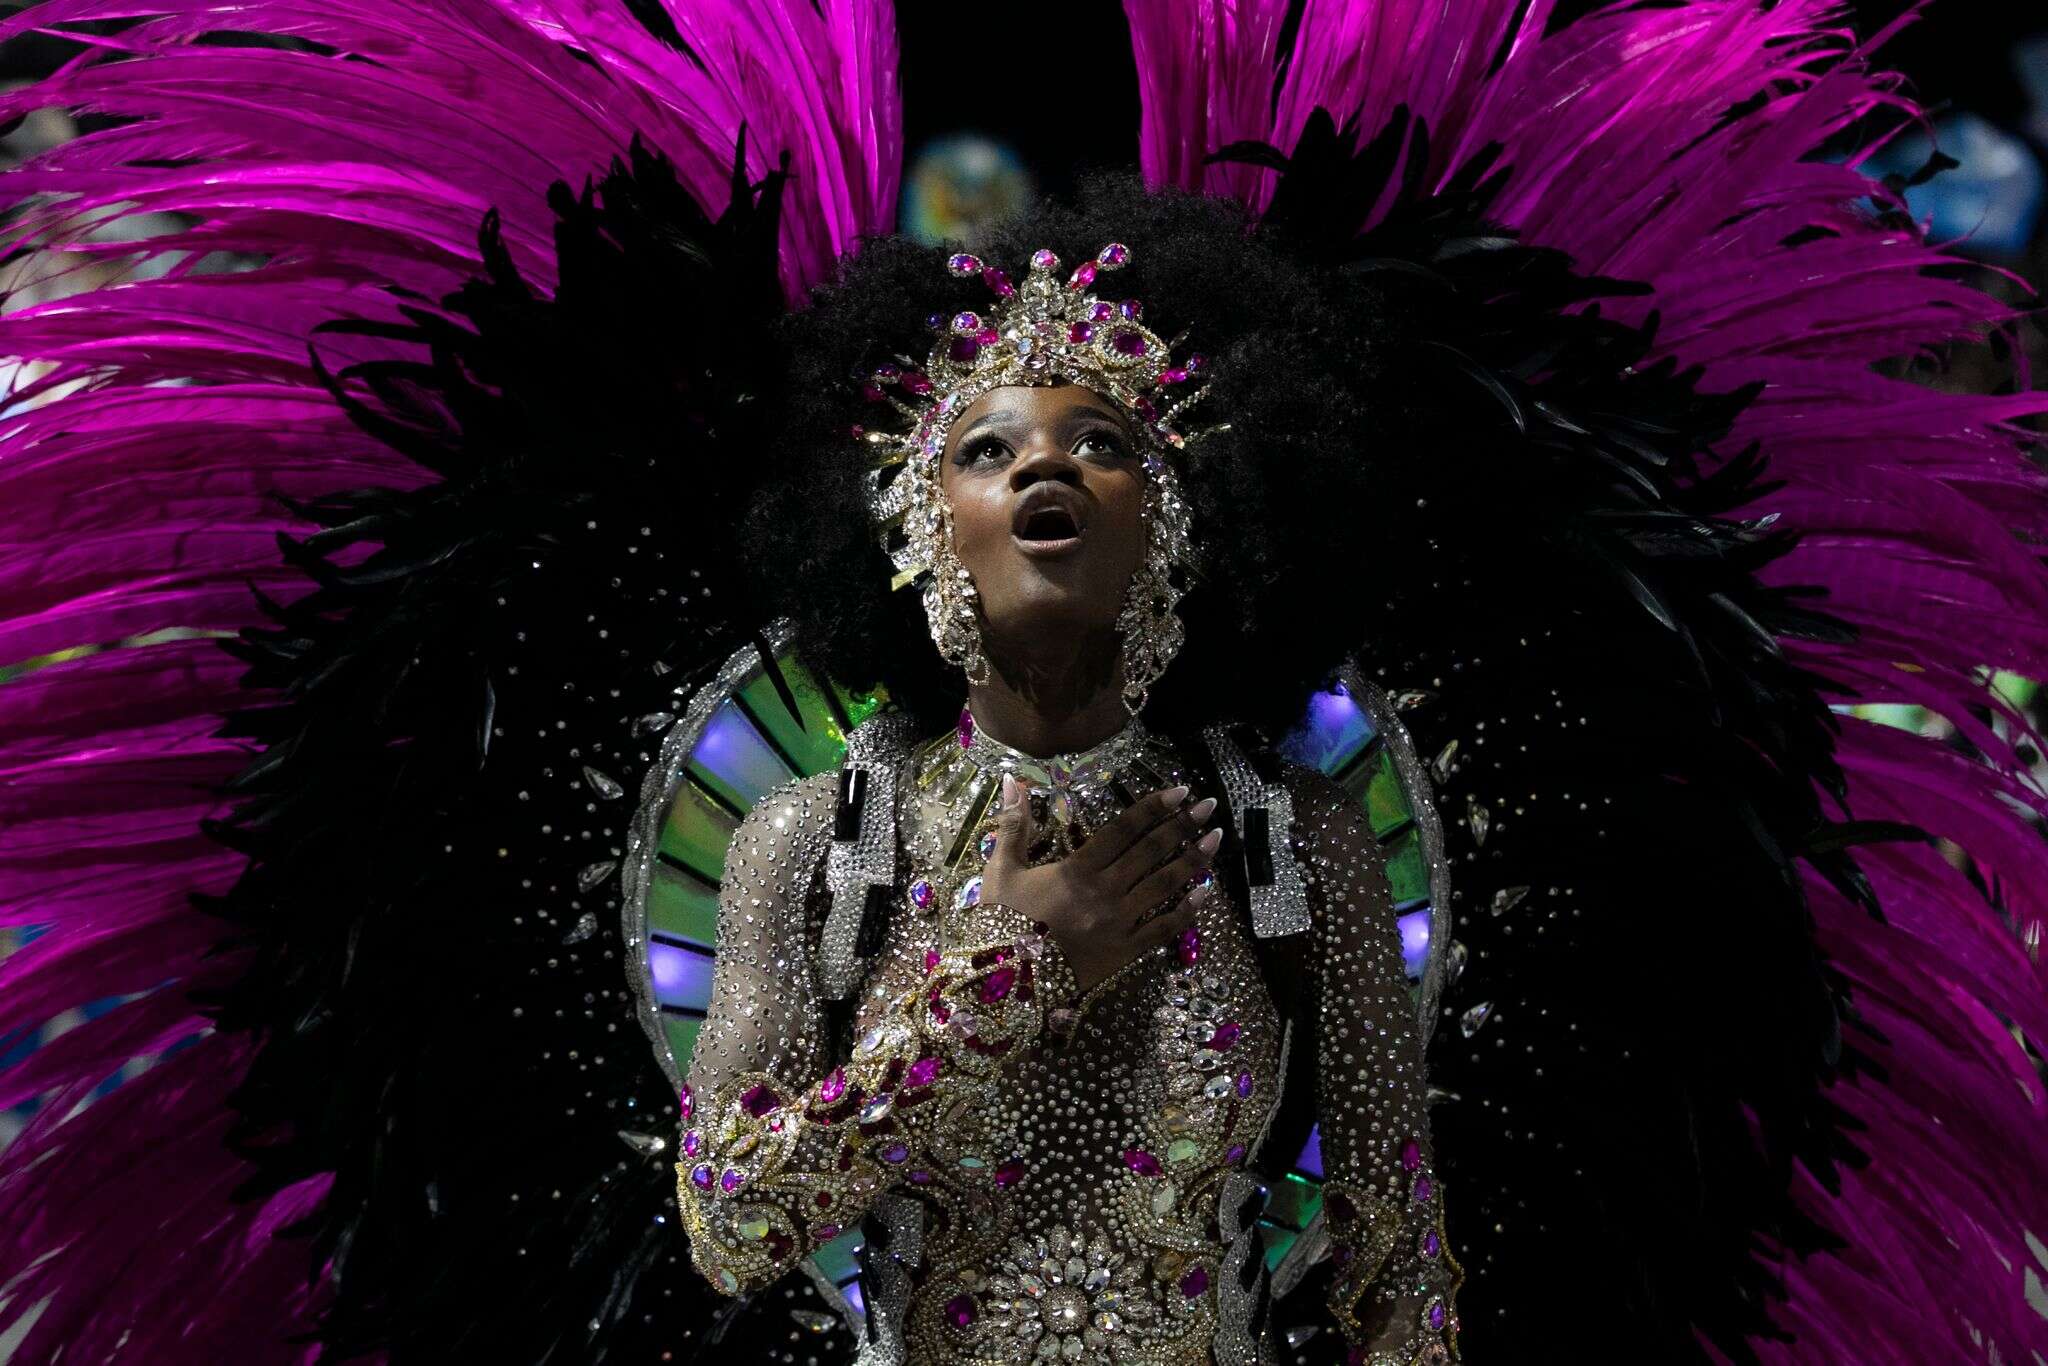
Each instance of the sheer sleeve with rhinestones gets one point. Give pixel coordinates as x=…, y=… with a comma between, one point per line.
x=1393, y=1294
x=780, y=1150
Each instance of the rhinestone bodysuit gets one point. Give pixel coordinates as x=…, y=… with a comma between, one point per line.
x=1074, y=1155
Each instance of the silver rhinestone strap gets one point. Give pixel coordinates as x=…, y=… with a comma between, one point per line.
x=1235, y=1345
x=1280, y=907
x=877, y=747
x=885, y=1280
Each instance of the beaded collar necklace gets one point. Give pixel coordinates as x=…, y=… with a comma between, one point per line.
x=1063, y=776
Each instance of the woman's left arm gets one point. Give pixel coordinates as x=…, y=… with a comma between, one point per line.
x=1394, y=1292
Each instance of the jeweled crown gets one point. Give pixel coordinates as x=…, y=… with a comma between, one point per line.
x=1048, y=330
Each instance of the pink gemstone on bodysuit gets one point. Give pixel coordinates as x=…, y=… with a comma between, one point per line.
x=997, y=985
x=833, y=1087
x=1190, y=946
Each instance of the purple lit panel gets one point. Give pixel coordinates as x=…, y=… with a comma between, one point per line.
x=735, y=760
x=1333, y=731
x=854, y=1300
x=1311, y=1159
x=682, y=977
x=1415, y=941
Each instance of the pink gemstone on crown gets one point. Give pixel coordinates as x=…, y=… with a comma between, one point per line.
x=1132, y=309
x=1411, y=1156
x=923, y=1072
x=833, y=1087
x=960, y=1311
x=731, y=1180
x=686, y=1101
x=1042, y=259
x=700, y=1177
x=999, y=282
x=1173, y=374
x=758, y=1100
x=963, y=350
x=1141, y=1162
x=915, y=381
x=931, y=956
x=1101, y=311
x=1113, y=255
x=1423, y=1190
x=693, y=1143
x=1128, y=343
x=1080, y=332
x=1083, y=276
x=1195, y=1284
x=967, y=323
x=825, y=1233
x=963, y=263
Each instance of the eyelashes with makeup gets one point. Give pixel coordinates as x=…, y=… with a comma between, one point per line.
x=983, y=447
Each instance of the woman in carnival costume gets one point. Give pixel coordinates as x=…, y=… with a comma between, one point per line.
x=1505, y=401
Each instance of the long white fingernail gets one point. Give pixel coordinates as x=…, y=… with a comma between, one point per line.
x=1009, y=790
x=1176, y=795
x=1210, y=842
x=1202, y=895
x=1202, y=810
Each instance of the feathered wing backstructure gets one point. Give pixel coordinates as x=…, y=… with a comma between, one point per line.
x=1628, y=605
x=342, y=1143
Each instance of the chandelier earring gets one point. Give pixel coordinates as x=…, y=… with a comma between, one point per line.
x=1150, y=625
x=951, y=607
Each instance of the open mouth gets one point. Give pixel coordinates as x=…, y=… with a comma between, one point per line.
x=1050, y=520
x=1050, y=524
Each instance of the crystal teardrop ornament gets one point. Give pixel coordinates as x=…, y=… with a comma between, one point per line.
x=1454, y=961
x=594, y=873
x=1507, y=898
x=585, y=926
x=1469, y=1023
x=1441, y=765
x=602, y=784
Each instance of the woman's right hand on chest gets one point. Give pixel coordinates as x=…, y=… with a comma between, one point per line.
x=1130, y=887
